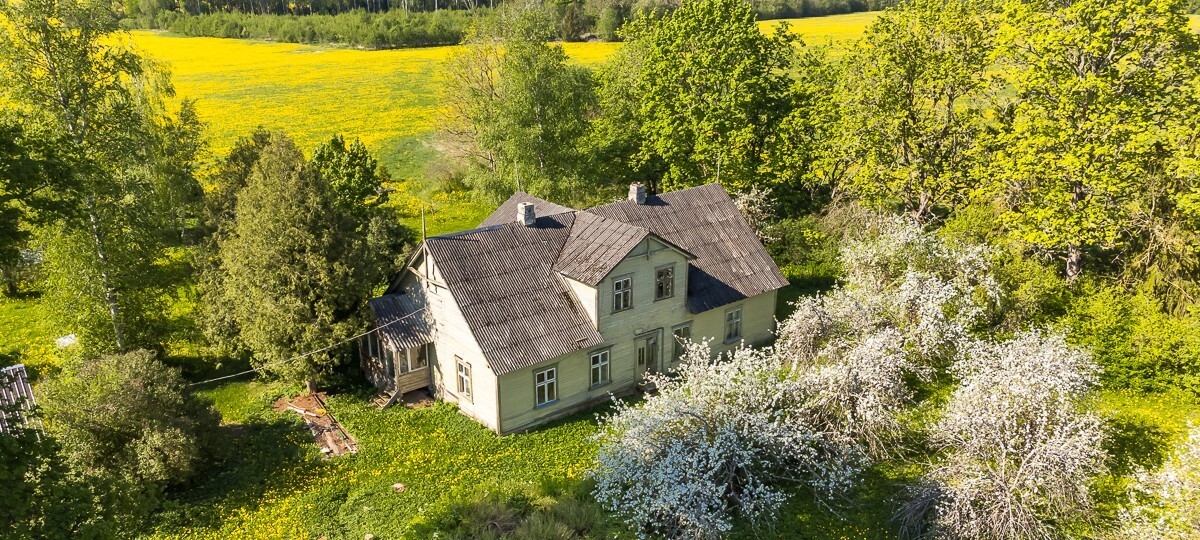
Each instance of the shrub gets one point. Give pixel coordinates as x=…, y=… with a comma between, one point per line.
x=389, y=30
x=520, y=511
x=129, y=416
x=1139, y=345
x=1020, y=448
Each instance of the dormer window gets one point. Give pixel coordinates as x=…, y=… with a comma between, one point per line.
x=622, y=293
x=664, y=282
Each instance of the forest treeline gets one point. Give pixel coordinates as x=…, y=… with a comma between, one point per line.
x=417, y=23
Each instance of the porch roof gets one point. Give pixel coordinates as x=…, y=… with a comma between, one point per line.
x=400, y=325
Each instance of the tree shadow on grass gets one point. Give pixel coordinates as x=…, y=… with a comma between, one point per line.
x=1136, y=443
x=254, y=457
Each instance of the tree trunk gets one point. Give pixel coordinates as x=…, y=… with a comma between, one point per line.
x=1074, y=260
x=310, y=386
x=110, y=292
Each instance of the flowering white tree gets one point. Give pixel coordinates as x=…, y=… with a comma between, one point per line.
x=1165, y=504
x=717, y=441
x=1019, y=446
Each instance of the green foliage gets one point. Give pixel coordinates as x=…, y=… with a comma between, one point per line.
x=65, y=66
x=390, y=30
x=30, y=173
x=909, y=94
x=518, y=109
x=549, y=510
x=43, y=498
x=128, y=416
x=229, y=177
x=1139, y=345
x=708, y=91
x=806, y=252
x=298, y=264
x=1081, y=157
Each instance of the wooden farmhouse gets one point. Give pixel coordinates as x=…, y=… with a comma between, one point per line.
x=544, y=310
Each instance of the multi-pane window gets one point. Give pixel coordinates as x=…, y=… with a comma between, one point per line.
x=664, y=282
x=464, y=378
x=545, y=386
x=400, y=359
x=733, y=324
x=681, y=333
x=622, y=293
x=600, y=368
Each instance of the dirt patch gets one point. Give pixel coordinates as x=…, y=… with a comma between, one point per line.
x=327, y=432
x=417, y=399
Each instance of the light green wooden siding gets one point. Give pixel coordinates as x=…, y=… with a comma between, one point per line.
x=452, y=337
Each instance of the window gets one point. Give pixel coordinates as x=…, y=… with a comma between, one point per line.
x=421, y=360
x=545, y=386
x=464, y=378
x=664, y=282
x=400, y=360
x=733, y=325
x=600, y=368
x=623, y=293
x=681, y=334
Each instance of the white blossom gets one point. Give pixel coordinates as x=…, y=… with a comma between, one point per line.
x=720, y=439
x=1019, y=446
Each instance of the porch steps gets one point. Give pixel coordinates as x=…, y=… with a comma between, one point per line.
x=384, y=398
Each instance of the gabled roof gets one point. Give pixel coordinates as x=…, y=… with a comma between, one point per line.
x=596, y=246
x=402, y=324
x=504, y=282
x=506, y=277
x=507, y=212
x=731, y=264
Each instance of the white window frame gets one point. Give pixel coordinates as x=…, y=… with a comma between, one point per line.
x=463, y=378
x=736, y=319
x=545, y=382
x=677, y=348
x=600, y=371
x=667, y=287
x=622, y=296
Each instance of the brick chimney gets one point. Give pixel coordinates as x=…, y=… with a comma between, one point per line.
x=637, y=193
x=526, y=214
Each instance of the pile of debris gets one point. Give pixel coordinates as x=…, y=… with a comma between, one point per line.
x=328, y=433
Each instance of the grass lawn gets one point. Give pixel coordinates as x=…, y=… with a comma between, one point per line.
x=274, y=484
x=27, y=336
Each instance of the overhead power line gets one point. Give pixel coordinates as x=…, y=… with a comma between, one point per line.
x=307, y=354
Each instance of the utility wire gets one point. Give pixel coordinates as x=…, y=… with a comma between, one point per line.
x=307, y=354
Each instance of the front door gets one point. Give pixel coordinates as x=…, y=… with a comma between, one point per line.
x=648, y=353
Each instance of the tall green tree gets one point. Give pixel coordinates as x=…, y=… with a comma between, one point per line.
x=31, y=192
x=229, y=176
x=64, y=60
x=910, y=97
x=519, y=108
x=710, y=91
x=295, y=270
x=1099, y=86
x=178, y=142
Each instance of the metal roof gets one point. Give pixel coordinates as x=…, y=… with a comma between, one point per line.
x=595, y=246
x=401, y=322
x=731, y=263
x=16, y=397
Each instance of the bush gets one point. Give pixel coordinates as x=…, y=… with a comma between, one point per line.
x=1139, y=345
x=1021, y=448
x=129, y=416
